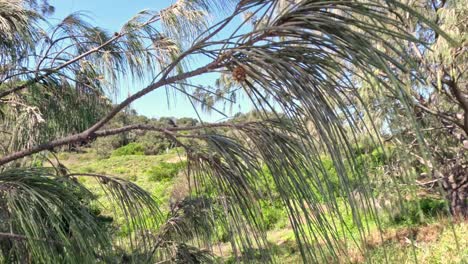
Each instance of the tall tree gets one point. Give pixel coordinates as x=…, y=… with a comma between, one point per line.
x=438, y=105
x=301, y=64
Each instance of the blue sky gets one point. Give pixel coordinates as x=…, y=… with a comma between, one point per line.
x=111, y=15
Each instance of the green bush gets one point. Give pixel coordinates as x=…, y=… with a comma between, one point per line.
x=274, y=214
x=105, y=145
x=433, y=207
x=165, y=170
x=419, y=211
x=129, y=149
x=156, y=148
x=153, y=144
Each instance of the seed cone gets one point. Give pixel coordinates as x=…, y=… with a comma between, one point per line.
x=239, y=74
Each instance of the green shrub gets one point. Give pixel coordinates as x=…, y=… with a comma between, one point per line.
x=129, y=149
x=419, y=211
x=155, y=149
x=432, y=207
x=274, y=214
x=165, y=170
x=377, y=157
x=105, y=145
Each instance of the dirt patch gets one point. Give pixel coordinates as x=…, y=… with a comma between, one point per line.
x=176, y=159
x=430, y=233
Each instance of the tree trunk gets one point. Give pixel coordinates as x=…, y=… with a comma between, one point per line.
x=455, y=184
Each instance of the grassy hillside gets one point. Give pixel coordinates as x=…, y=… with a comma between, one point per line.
x=430, y=238
x=154, y=173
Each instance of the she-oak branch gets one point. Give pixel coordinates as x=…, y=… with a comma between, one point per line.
x=94, y=132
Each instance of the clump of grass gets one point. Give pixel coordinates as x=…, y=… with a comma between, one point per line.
x=431, y=244
x=165, y=170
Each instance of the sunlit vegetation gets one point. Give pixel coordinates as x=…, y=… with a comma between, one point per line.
x=354, y=151
x=422, y=222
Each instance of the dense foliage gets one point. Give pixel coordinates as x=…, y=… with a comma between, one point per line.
x=360, y=121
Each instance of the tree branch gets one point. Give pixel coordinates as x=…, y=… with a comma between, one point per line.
x=84, y=137
x=91, y=132
x=462, y=99
x=71, y=61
